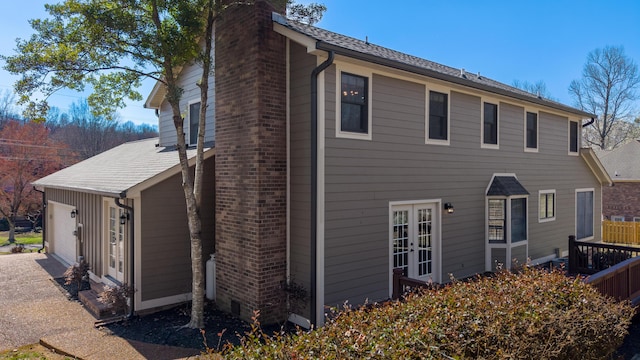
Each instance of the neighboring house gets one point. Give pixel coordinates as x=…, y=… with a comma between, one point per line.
x=621, y=202
x=337, y=160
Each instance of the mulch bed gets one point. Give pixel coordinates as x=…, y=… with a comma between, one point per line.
x=166, y=328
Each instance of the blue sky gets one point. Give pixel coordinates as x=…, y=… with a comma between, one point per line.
x=504, y=40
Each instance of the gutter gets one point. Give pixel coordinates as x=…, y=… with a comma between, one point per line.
x=44, y=217
x=445, y=77
x=314, y=183
x=131, y=245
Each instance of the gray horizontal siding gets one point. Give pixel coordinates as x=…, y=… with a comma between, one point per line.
x=362, y=177
x=165, y=259
x=301, y=65
x=189, y=77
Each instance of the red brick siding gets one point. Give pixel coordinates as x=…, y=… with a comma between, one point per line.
x=622, y=199
x=250, y=75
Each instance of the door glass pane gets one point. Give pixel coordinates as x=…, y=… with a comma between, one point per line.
x=401, y=239
x=112, y=237
x=120, y=245
x=424, y=240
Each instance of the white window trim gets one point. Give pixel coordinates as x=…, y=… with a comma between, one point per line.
x=186, y=124
x=360, y=71
x=444, y=90
x=617, y=218
x=537, y=148
x=508, y=245
x=555, y=205
x=636, y=219
x=437, y=254
x=484, y=100
x=573, y=153
x=575, y=215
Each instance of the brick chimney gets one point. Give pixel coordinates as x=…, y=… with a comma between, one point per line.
x=251, y=163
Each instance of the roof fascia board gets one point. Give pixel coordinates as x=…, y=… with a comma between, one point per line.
x=595, y=165
x=152, y=102
x=301, y=39
x=135, y=190
x=121, y=194
x=444, y=77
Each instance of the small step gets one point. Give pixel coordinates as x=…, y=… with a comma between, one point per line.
x=89, y=298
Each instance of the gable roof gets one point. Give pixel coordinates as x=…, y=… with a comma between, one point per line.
x=506, y=186
x=623, y=163
x=117, y=171
x=363, y=50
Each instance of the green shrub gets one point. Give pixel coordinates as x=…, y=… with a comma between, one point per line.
x=533, y=314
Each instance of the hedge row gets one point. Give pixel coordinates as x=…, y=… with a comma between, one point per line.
x=533, y=314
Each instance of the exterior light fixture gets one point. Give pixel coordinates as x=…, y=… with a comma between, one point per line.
x=448, y=207
x=74, y=212
x=123, y=218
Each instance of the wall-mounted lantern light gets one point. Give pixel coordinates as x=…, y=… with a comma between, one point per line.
x=74, y=212
x=124, y=217
x=448, y=207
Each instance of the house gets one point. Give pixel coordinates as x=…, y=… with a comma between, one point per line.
x=621, y=202
x=335, y=161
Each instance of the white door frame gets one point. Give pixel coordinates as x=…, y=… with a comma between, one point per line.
x=112, y=227
x=436, y=241
x=62, y=223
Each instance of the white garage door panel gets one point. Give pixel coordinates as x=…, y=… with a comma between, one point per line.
x=63, y=243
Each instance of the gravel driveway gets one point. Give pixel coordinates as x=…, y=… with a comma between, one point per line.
x=31, y=306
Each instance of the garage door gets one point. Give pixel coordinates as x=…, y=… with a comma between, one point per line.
x=62, y=241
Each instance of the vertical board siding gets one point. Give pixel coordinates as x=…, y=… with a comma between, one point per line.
x=90, y=216
x=362, y=177
x=188, y=79
x=165, y=259
x=301, y=65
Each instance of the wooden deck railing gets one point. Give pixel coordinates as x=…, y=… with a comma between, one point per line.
x=402, y=284
x=621, y=281
x=621, y=232
x=590, y=258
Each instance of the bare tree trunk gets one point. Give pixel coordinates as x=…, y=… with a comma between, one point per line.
x=12, y=230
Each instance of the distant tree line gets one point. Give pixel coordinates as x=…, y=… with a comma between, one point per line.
x=30, y=150
x=88, y=135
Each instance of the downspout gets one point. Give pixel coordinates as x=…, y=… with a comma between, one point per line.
x=589, y=123
x=314, y=182
x=44, y=217
x=131, y=245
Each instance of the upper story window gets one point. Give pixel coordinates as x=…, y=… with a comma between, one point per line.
x=531, y=133
x=438, y=118
x=490, y=125
x=573, y=137
x=354, y=118
x=547, y=205
x=192, y=126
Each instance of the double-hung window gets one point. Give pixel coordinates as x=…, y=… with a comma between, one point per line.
x=531, y=131
x=438, y=118
x=547, y=205
x=573, y=137
x=353, y=99
x=490, y=125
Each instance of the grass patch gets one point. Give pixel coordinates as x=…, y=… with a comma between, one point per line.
x=24, y=238
x=33, y=351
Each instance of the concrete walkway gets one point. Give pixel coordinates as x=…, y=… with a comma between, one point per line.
x=33, y=309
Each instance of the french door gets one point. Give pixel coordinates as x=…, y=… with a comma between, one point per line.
x=115, y=246
x=415, y=240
